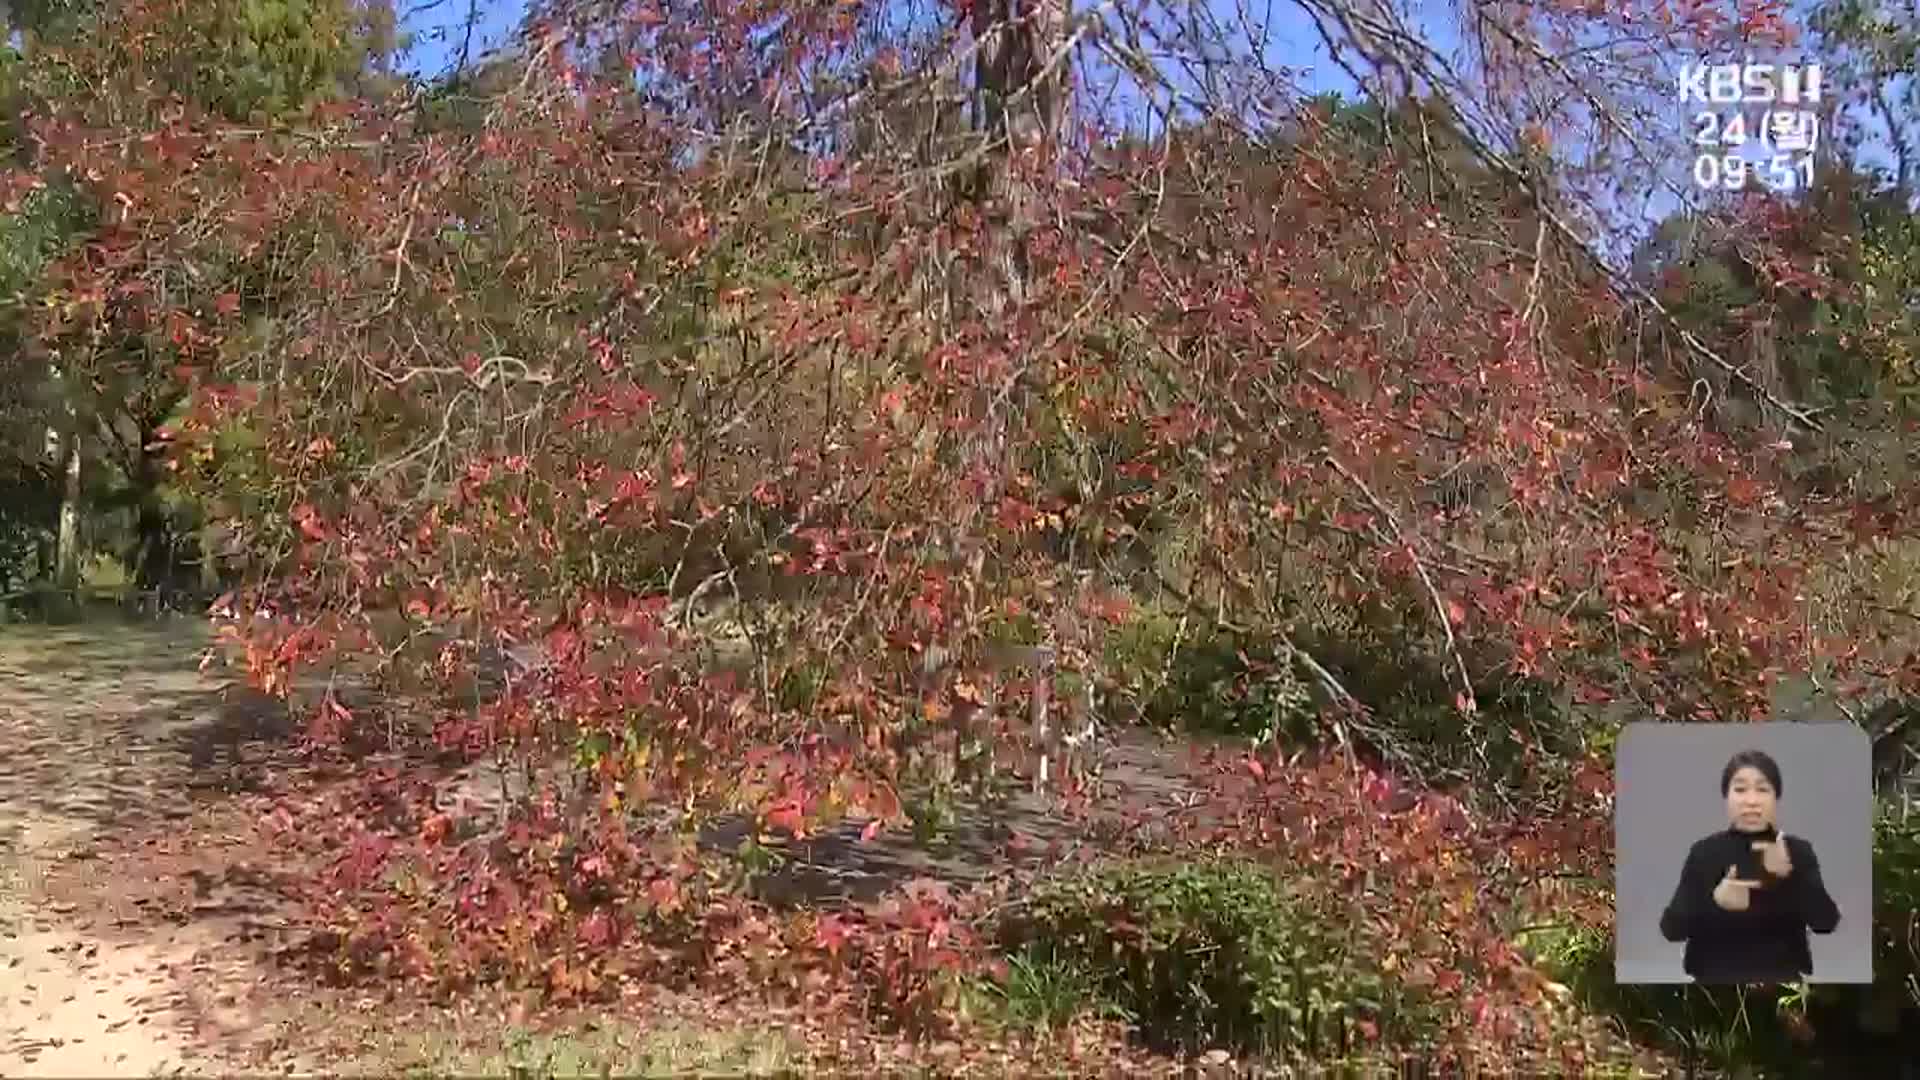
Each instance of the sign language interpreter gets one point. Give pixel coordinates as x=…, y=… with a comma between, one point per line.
x=1749, y=894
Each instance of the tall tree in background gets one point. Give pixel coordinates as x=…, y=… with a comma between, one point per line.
x=42, y=23
x=116, y=376
x=1815, y=293
x=688, y=310
x=1873, y=49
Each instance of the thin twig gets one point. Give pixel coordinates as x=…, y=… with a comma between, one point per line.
x=1469, y=703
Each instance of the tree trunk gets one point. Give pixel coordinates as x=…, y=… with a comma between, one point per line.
x=155, y=566
x=67, y=547
x=1022, y=103
x=209, y=560
x=1019, y=105
x=154, y=559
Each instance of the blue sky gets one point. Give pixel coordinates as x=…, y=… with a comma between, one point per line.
x=1294, y=42
x=438, y=29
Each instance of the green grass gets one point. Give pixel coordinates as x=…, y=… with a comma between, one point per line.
x=1041, y=992
x=1207, y=953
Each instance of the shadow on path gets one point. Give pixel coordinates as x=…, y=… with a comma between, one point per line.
x=106, y=729
x=1148, y=790
x=112, y=725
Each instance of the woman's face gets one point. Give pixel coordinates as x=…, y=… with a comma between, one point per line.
x=1750, y=800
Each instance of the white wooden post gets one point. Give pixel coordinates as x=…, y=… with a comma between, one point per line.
x=1042, y=698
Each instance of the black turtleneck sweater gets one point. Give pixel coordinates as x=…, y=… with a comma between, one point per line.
x=1768, y=941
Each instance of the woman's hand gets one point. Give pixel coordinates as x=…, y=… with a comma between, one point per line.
x=1774, y=855
x=1733, y=894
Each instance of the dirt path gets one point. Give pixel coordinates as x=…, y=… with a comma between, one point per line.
x=142, y=905
x=102, y=728
x=133, y=928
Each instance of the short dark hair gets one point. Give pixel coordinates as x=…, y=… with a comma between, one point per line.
x=1756, y=759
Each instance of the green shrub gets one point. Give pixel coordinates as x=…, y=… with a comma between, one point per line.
x=1721, y=1027
x=1752, y=1028
x=802, y=684
x=1581, y=957
x=1212, y=953
x=1045, y=991
x=1896, y=903
x=1204, y=680
x=1208, y=681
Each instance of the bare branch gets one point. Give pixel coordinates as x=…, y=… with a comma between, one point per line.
x=1470, y=703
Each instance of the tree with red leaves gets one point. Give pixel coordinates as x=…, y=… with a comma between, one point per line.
x=769, y=393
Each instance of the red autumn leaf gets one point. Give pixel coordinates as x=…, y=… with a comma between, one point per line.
x=1253, y=352
x=788, y=816
x=1590, y=694
x=308, y=521
x=832, y=933
x=597, y=931
x=435, y=828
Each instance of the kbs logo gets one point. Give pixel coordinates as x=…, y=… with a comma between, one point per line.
x=1785, y=132
x=1750, y=84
